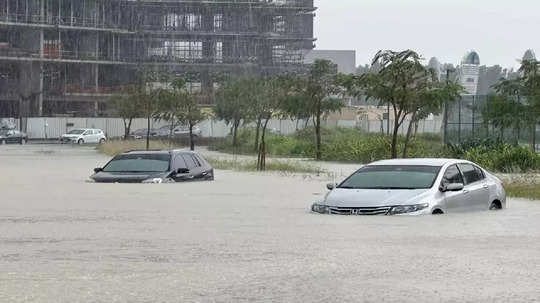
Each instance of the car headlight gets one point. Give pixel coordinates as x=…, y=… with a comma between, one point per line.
x=153, y=181
x=322, y=209
x=404, y=209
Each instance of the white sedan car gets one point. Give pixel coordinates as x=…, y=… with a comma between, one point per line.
x=414, y=187
x=84, y=135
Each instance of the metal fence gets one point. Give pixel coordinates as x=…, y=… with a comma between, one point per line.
x=53, y=128
x=465, y=121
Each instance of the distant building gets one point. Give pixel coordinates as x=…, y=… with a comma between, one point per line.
x=469, y=71
x=435, y=65
x=529, y=55
x=67, y=57
x=344, y=59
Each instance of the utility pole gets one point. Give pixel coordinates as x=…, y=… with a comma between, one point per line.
x=444, y=125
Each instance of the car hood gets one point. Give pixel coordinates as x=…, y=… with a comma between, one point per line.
x=342, y=197
x=113, y=177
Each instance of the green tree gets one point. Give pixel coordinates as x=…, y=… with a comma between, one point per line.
x=524, y=91
x=406, y=85
x=128, y=107
x=234, y=104
x=192, y=114
x=321, y=91
x=274, y=91
x=171, y=104
x=431, y=100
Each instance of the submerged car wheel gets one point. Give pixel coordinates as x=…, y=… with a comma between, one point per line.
x=101, y=141
x=23, y=141
x=438, y=212
x=495, y=205
x=80, y=142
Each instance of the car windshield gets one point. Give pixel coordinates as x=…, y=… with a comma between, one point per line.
x=76, y=132
x=139, y=163
x=393, y=177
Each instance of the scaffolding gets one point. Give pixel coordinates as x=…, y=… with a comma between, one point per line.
x=81, y=51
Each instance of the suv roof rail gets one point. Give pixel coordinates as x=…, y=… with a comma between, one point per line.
x=145, y=150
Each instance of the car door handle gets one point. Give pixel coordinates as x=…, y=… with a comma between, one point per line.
x=485, y=186
x=465, y=191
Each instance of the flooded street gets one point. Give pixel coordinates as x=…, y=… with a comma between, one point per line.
x=244, y=238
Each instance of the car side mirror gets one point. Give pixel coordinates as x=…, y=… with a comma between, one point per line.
x=331, y=186
x=182, y=171
x=452, y=187
x=98, y=169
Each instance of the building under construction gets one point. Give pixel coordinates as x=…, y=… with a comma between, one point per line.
x=66, y=57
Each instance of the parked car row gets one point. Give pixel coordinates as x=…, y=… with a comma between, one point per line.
x=84, y=136
x=165, y=132
x=97, y=136
x=12, y=136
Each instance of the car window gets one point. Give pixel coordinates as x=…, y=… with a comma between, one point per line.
x=479, y=173
x=76, y=132
x=189, y=161
x=197, y=162
x=138, y=163
x=179, y=162
x=393, y=177
x=469, y=173
x=88, y=132
x=452, y=175
x=200, y=159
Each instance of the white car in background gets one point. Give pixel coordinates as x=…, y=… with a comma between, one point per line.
x=84, y=136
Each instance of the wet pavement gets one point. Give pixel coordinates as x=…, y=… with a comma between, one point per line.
x=244, y=238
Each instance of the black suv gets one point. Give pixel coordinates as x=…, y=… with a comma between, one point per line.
x=154, y=167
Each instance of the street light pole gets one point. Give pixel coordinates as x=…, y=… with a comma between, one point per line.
x=445, y=109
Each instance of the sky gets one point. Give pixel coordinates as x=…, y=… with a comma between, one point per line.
x=499, y=30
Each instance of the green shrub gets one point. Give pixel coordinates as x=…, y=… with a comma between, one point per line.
x=504, y=158
x=354, y=145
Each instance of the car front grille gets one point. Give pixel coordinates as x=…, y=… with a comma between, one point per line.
x=360, y=211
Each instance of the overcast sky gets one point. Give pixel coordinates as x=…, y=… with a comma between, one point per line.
x=499, y=30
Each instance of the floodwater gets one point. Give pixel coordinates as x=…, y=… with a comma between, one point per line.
x=244, y=238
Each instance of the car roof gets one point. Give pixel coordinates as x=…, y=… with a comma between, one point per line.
x=419, y=161
x=160, y=151
x=147, y=152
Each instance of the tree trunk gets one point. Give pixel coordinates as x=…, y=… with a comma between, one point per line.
x=534, y=137
x=318, y=131
x=307, y=122
x=191, y=138
x=125, y=129
x=408, y=137
x=394, y=138
x=261, y=158
x=518, y=135
x=235, y=132
x=443, y=123
x=128, y=130
x=257, y=133
x=148, y=132
x=416, y=125
x=171, y=129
